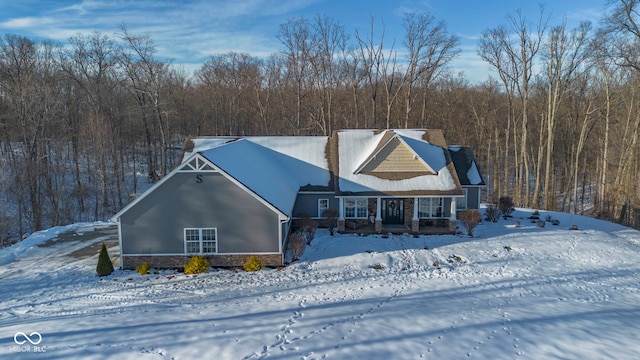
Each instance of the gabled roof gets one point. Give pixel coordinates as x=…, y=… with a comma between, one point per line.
x=356, y=149
x=393, y=157
x=275, y=168
x=466, y=166
x=274, y=176
x=198, y=163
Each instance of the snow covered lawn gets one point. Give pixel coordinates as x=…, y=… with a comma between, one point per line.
x=508, y=293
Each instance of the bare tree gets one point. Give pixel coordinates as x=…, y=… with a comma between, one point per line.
x=295, y=35
x=430, y=48
x=514, y=61
x=564, y=55
x=372, y=58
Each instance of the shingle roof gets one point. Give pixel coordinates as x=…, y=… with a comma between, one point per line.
x=276, y=168
x=466, y=166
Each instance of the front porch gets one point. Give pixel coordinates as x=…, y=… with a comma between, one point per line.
x=435, y=227
x=397, y=215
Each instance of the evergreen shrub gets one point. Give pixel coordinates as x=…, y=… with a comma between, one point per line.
x=252, y=264
x=105, y=266
x=197, y=264
x=143, y=269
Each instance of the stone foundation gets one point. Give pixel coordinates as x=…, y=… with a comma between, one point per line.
x=179, y=261
x=378, y=225
x=415, y=225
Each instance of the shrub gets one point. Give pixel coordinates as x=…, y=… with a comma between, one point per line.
x=332, y=220
x=492, y=213
x=105, y=266
x=252, y=264
x=470, y=219
x=143, y=269
x=297, y=244
x=308, y=228
x=505, y=203
x=197, y=264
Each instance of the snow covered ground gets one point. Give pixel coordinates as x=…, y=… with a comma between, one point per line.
x=527, y=292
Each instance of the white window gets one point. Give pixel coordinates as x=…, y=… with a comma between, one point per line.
x=430, y=208
x=323, y=205
x=461, y=203
x=356, y=208
x=201, y=241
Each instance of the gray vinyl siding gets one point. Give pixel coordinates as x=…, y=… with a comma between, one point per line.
x=307, y=204
x=473, y=194
x=155, y=225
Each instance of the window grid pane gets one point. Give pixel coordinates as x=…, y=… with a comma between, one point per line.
x=356, y=208
x=201, y=241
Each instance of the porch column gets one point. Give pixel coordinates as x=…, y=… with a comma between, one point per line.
x=415, y=220
x=452, y=216
x=378, y=222
x=341, y=214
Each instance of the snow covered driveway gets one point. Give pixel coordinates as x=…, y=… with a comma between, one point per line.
x=508, y=293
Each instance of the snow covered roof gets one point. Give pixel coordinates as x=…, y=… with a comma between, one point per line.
x=276, y=168
x=355, y=148
x=273, y=175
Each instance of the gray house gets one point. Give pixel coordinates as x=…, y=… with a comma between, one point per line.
x=233, y=197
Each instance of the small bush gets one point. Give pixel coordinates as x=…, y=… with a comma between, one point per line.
x=308, y=228
x=105, y=266
x=377, y=267
x=252, y=264
x=332, y=220
x=143, y=269
x=470, y=219
x=505, y=203
x=492, y=213
x=197, y=264
x=297, y=245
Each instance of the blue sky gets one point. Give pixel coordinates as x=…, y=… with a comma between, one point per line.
x=189, y=32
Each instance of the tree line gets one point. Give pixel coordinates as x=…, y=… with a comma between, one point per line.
x=85, y=127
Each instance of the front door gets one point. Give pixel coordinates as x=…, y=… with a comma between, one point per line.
x=392, y=211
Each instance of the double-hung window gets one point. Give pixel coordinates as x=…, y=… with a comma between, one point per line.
x=323, y=205
x=356, y=208
x=430, y=208
x=201, y=240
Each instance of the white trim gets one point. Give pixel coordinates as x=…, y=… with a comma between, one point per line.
x=356, y=207
x=200, y=240
x=120, y=244
x=218, y=254
x=399, y=137
x=465, y=190
x=281, y=215
x=116, y=217
x=320, y=211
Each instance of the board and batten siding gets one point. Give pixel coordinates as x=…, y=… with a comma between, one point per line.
x=156, y=224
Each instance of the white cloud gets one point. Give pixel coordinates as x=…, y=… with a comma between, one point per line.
x=19, y=23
